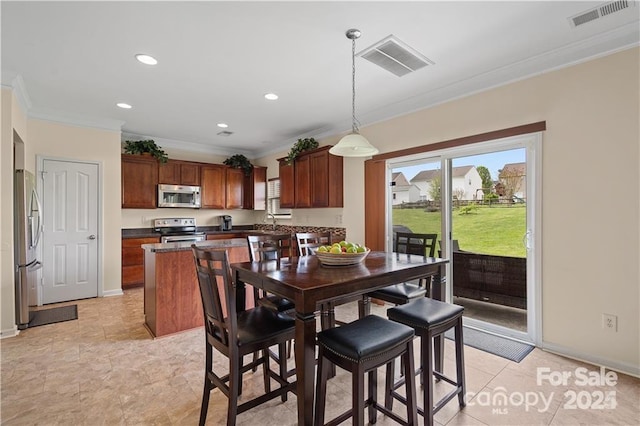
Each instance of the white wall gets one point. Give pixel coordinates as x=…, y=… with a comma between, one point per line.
x=592, y=115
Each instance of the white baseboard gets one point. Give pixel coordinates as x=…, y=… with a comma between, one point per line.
x=11, y=332
x=621, y=367
x=109, y=293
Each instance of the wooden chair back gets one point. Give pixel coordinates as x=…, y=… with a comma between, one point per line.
x=269, y=247
x=412, y=243
x=309, y=240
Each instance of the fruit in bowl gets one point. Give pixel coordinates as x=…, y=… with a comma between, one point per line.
x=342, y=253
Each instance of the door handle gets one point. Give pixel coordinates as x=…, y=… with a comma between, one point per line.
x=526, y=240
x=92, y=237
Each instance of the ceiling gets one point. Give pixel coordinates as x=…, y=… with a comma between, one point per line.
x=73, y=61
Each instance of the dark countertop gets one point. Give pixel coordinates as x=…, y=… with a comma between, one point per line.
x=183, y=246
x=150, y=233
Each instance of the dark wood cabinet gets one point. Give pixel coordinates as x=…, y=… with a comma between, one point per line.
x=287, y=185
x=255, y=189
x=234, y=188
x=213, y=186
x=139, y=182
x=314, y=180
x=133, y=260
x=175, y=172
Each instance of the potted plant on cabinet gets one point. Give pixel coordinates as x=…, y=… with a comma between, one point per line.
x=149, y=146
x=300, y=146
x=239, y=161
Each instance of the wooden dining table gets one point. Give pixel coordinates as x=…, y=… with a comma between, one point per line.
x=310, y=284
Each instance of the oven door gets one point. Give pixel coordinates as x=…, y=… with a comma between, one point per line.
x=187, y=238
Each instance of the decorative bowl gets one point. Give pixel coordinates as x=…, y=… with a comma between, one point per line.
x=341, y=259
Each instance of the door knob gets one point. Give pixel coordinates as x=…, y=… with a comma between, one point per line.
x=92, y=237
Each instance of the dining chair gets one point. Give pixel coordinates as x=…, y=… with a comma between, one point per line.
x=310, y=240
x=270, y=247
x=410, y=243
x=235, y=334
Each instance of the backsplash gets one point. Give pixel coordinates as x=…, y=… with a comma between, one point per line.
x=337, y=234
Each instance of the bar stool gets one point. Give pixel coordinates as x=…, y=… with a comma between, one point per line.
x=430, y=318
x=361, y=347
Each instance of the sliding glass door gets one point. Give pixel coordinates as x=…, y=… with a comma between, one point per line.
x=482, y=199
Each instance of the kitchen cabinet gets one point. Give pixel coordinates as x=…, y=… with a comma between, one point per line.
x=234, y=188
x=139, y=180
x=213, y=186
x=133, y=260
x=287, y=185
x=314, y=180
x=255, y=189
x=176, y=172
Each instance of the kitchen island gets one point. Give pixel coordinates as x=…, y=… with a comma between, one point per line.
x=172, y=300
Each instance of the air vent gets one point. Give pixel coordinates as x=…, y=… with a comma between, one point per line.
x=224, y=133
x=395, y=56
x=599, y=12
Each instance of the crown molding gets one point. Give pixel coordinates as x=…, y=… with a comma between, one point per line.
x=188, y=146
x=15, y=83
x=74, y=120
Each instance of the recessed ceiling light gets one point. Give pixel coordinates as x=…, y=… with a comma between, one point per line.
x=271, y=96
x=123, y=105
x=223, y=125
x=146, y=59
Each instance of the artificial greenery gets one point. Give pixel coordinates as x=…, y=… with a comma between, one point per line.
x=149, y=145
x=302, y=145
x=239, y=161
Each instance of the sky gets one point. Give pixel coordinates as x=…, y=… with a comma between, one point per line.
x=493, y=161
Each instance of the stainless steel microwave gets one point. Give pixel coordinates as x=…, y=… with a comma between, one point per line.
x=179, y=196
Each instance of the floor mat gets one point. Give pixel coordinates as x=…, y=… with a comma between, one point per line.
x=53, y=315
x=497, y=345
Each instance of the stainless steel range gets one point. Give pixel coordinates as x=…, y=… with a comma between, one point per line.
x=174, y=230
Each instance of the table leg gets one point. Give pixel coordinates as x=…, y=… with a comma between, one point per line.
x=305, y=366
x=438, y=293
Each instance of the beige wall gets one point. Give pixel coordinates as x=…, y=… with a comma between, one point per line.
x=590, y=222
x=79, y=143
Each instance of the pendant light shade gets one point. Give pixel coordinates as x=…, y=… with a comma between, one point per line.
x=353, y=144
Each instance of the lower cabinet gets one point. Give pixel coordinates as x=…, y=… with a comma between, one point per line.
x=133, y=260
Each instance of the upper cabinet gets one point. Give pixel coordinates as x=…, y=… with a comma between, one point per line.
x=139, y=181
x=175, y=172
x=255, y=189
x=221, y=187
x=314, y=180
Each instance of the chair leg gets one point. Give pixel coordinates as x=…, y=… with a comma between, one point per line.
x=282, y=362
x=357, y=393
x=371, y=399
x=265, y=371
x=388, y=385
x=427, y=374
x=410, y=385
x=460, y=362
x=206, y=392
x=235, y=382
x=321, y=387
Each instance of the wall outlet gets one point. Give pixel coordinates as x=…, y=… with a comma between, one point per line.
x=610, y=322
x=339, y=219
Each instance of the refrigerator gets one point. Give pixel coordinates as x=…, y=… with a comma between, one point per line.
x=27, y=233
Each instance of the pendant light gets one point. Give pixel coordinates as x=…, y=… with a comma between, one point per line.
x=353, y=144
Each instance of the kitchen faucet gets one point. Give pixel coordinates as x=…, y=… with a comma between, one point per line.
x=274, y=220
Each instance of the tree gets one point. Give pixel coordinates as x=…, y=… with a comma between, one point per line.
x=512, y=179
x=435, y=188
x=487, y=182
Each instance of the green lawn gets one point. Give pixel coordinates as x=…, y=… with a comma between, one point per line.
x=489, y=230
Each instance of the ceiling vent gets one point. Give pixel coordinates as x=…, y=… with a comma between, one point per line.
x=395, y=56
x=600, y=12
x=225, y=133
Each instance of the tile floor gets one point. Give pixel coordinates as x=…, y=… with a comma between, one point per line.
x=104, y=368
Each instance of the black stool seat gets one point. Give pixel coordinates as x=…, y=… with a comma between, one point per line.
x=365, y=339
x=399, y=294
x=424, y=313
x=430, y=318
x=360, y=347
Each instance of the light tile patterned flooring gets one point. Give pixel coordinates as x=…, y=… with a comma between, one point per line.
x=104, y=368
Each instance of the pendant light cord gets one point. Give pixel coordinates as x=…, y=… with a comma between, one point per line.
x=354, y=125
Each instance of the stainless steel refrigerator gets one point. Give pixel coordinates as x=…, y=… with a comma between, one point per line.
x=27, y=233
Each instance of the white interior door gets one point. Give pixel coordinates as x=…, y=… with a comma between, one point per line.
x=70, y=237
